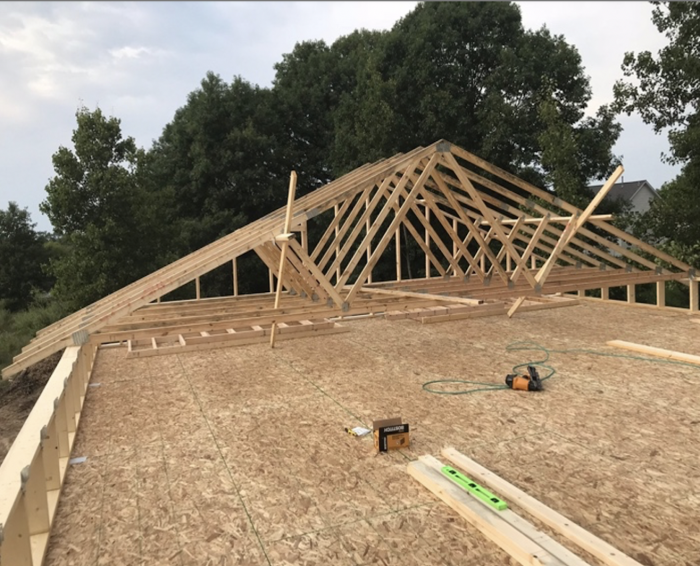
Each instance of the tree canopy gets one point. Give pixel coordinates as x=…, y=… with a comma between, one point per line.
x=23, y=257
x=665, y=91
x=102, y=212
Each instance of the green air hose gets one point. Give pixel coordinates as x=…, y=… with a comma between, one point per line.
x=477, y=386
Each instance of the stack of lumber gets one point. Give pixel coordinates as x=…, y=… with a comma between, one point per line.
x=515, y=535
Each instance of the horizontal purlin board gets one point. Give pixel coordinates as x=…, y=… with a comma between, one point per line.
x=501, y=309
x=656, y=352
x=227, y=341
x=527, y=548
x=586, y=540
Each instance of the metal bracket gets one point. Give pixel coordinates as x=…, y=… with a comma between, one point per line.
x=530, y=204
x=292, y=291
x=312, y=213
x=314, y=297
x=446, y=276
x=628, y=268
x=487, y=280
x=603, y=266
x=80, y=337
x=345, y=307
x=443, y=147
x=43, y=434
x=659, y=270
x=692, y=273
x=511, y=284
x=538, y=289
x=2, y=536
x=303, y=294
x=579, y=265
x=24, y=477
x=329, y=302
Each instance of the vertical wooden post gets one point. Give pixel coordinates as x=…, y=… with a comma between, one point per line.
x=196, y=286
x=369, y=245
x=235, y=277
x=509, y=263
x=631, y=294
x=427, y=243
x=454, y=245
x=605, y=293
x=16, y=546
x=398, y=253
x=305, y=235
x=337, y=246
x=661, y=294
x=482, y=262
x=581, y=292
x=533, y=261
x=158, y=300
x=285, y=245
x=693, y=290
x=272, y=281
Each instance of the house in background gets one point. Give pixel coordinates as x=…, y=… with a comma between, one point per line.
x=638, y=193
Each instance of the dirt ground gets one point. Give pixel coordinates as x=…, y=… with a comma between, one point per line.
x=239, y=455
x=18, y=396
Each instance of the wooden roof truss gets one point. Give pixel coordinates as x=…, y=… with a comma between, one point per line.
x=486, y=236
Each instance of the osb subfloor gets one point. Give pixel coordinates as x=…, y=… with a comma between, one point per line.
x=238, y=455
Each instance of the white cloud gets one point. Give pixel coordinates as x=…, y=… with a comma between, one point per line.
x=140, y=60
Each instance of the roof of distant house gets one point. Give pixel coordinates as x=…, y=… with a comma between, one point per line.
x=624, y=191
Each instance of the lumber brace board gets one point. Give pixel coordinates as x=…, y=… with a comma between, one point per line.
x=602, y=550
x=514, y=535
x=656, y=352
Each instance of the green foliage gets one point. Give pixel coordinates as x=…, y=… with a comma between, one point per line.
x=666, y=94
x=23, y=255
x=18, y=328
x=106, y=219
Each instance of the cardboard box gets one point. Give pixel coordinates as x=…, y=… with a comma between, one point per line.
x=390, y=434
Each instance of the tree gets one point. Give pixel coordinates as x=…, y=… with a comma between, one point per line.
x=101, y=213
x=23, y=257
x=666, y=94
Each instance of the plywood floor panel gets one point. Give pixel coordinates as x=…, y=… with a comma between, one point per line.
x=238, y=455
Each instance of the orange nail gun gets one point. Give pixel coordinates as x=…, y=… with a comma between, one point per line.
x=530, y=382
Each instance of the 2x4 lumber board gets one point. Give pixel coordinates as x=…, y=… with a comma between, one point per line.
x=285, y=247
x=163, y=281
x=398, y=217
x=361, y=307
x=519, y=546
x=377, y=224
x=678, y=310
x=602, y=550
x=26, y=445
x=656, y=352
x=430, y=257
x=574, y=226
x=519, y=200
x=303, y=272
x=318, y=274
x=331, y=228
x=498, y=309
x=359, y=226
x=474, y=231
x=456, y=240
x=442, y=298
x=431, y=232
x=554, y=548
x=337, y=329
x=569, y=233
x=544, y=195
x=533, y=220
x=450, y=161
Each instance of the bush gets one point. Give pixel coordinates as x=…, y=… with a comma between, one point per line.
x=17, y=329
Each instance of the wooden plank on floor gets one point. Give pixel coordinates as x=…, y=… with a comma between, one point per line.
x=523, y=549
x=587, y=541
x=656, y=352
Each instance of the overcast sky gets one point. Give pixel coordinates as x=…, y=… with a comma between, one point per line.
x=138, y=62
